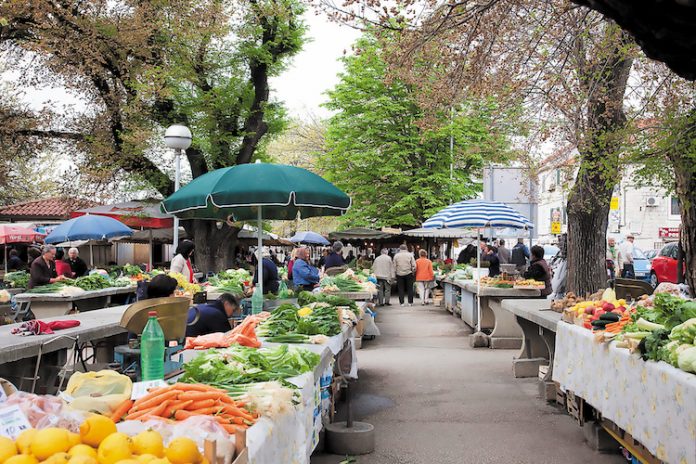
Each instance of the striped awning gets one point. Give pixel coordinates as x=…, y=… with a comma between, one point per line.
x=477, y=214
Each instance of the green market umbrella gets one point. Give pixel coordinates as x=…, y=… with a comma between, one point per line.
x=257, y=191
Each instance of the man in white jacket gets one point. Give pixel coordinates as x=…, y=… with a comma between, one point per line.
x=404, y=267
x=383, y=268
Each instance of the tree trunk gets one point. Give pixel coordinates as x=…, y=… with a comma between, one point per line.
x=589, y=199
x=683, y=160
x=214, y=247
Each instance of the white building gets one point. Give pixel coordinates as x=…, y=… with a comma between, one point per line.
x=647, y=212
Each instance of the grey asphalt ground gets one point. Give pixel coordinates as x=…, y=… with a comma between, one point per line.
x=433, y=399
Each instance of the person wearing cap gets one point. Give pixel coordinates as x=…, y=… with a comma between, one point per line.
x=271, y=282
x=43, y=268
x=626, y=258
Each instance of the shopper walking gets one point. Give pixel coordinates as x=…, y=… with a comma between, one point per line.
x=424, y=276
x=383, y=269
x=520, y=255
x=612, y=258
x=404, y=267
x=626, y=255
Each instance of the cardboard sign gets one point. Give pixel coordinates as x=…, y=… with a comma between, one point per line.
x=140, y=388
x=13, y=422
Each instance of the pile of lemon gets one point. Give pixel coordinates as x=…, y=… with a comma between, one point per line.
x=97, y=443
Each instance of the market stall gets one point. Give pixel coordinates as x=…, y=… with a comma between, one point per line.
x=44, y=305
x=282, y=423
x=653, y=402
x=633, y=366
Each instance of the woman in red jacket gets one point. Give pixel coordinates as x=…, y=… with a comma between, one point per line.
x=62, y=267
x=424, y=276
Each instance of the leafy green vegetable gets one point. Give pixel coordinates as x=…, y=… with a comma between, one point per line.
x=305, y=298
x=285, y=320
x=685, y=332
x=18, y=279
x=241, y=365
x=650, y=346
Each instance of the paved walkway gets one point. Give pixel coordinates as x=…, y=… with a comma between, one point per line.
x=432, y=399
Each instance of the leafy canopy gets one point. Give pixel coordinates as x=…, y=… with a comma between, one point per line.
x=392, y=158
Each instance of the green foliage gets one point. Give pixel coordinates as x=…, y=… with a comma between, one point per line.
x=390, y=158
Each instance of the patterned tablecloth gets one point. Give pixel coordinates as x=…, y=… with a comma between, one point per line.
x=653, y=401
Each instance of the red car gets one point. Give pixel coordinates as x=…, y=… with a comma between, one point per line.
x=664, y=265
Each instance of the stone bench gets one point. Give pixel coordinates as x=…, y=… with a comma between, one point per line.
x=538, y=324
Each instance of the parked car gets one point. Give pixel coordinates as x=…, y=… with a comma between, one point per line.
x=650, y=254
x=664, y=265
x=550, y=251
x=641, y=265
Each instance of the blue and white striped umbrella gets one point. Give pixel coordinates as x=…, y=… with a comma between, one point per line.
x=477, y=214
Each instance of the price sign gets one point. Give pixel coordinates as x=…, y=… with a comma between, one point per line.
x=555, y=227
x=140, y=388
x=13, y=422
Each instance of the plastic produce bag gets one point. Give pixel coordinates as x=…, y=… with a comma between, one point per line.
x=35, y=407
x=283, y=290
x=97, y=391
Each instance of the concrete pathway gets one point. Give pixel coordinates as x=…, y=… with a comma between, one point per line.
x=433, y=399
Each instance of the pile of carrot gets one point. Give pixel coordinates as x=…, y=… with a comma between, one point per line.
x=616, y=327
x=181, y=401
x=244, y=334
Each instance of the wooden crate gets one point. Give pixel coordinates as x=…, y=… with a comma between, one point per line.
x=577, y=408
x=560, y=395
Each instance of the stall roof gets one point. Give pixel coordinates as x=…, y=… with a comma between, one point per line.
x=359, y=233
x=142, y=214
x=48, y=209
x=439, y=233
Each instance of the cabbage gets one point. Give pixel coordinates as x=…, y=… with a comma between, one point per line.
x=687, y=360
x=684, y=332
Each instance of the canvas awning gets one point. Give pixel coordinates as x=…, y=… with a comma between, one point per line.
x=144, y=214
x=359, y=233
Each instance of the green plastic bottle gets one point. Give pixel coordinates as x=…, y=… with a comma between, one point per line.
x=256, y=301
x=152, y=349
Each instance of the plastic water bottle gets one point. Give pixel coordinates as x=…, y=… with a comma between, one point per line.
x=152, y=349
x=256, y=301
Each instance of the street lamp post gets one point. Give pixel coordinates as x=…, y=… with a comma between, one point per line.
x=178, y=138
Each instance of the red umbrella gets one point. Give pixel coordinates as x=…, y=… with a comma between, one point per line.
x=17, y=234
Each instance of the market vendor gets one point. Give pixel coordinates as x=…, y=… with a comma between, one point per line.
x=161, y=286
x=43, y=269
x=304, y=275
x=335, y=256
x=14, y=262
x=213, y=316
x=77, y=264
x=539, y=270
x=491, y=255
x=271, y=282
x=181, y=263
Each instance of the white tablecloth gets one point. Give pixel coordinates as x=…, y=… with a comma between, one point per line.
x=654, y=402
x=291, y=438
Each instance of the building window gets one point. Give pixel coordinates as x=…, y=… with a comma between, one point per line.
x=674, y=206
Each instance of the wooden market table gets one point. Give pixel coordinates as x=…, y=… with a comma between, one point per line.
x=25, y=359
x=45, y=305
